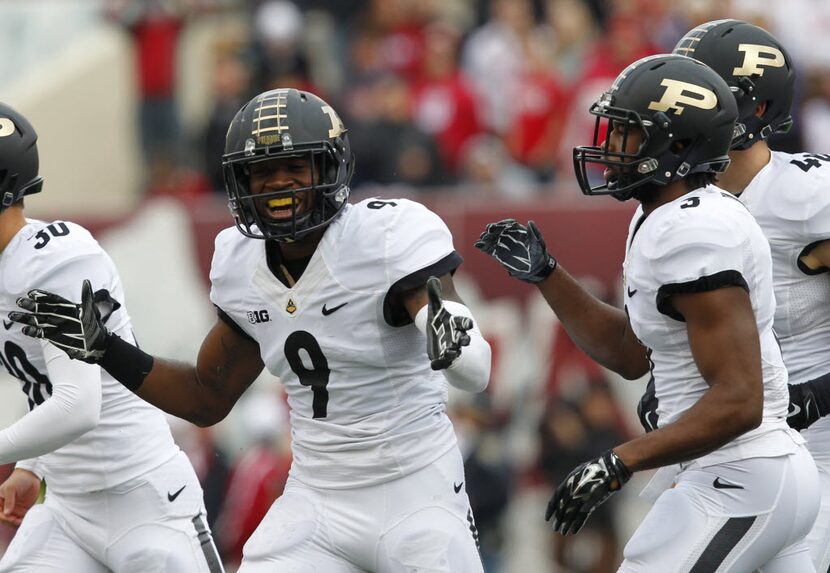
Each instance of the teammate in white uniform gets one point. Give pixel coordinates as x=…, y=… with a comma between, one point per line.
x=789, y=195
x=121, y=495
x=336, y=302
x=699, y=311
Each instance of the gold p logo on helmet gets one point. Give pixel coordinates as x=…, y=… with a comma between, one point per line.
x=336, y=123
x=756, y=57
x=678, y=92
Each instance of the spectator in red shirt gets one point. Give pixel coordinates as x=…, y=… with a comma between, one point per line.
x=443, y=102
x=155, y=26
x=540, y=107
x=258, y=476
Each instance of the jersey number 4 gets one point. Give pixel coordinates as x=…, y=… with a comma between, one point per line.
x=317, y=377
x=811, y=160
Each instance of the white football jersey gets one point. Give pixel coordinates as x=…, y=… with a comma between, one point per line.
x=790, y=199
x=132, y=436
x=365, y=405
x=701, y=241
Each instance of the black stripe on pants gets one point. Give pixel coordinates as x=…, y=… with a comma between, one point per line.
x=208, y=547
x=722, y=543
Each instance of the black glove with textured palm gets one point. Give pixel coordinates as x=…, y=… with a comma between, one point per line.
x=519, y=249
x=446, y=334
x=585, y=488
x=77, y=329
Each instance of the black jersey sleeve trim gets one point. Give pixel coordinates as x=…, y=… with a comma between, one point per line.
x=225, y=317
x=806, y=251
x=703, y=284
x=394, y=312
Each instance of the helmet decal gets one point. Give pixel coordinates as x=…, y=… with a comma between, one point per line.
x=756, y=57
x=269, y=120
x=678, y=92
x=336, y=123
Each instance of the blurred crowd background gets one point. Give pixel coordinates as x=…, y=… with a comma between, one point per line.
x=471, y=106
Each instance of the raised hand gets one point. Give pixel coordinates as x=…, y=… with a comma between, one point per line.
x=446, y=334
x=519, y=249
x=77, y=329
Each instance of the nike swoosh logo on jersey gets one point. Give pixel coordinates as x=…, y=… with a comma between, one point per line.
x=457, y=486
x=794, y=410
x=723, y=485
x=7, y=323
x=173, y=496
x=328, y=311
x=631, y=292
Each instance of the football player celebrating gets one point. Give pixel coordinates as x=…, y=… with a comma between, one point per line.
x=789, y=195
x=121, y=495
x=698, y=315
x=340, y=302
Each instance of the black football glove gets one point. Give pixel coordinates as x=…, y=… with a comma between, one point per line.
x=585, y=488
x=77, y=329
x=808, y=402
x=519, y=249
x=446, y=334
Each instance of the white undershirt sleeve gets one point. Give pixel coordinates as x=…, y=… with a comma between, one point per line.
x=32, y=464
x=73, y=409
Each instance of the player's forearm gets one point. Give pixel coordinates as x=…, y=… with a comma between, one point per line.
x=176, y=388
x=41, y=431
x=719, y=417
x=170, y=386
x=599, y=329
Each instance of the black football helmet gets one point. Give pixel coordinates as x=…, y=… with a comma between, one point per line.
x=18, y=158
x=684, y=113
x=757, y=69
x=287, y=123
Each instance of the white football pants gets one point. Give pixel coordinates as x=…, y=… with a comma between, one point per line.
x=746, y=516
x=130, y=528
x=818, y=540
x=419, y=523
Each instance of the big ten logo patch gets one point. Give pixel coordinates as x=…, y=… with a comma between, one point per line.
x=258, y=316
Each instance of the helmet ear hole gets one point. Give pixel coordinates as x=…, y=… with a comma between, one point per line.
x=678, y=146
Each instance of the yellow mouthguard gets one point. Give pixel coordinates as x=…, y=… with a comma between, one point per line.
x=276, y=203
